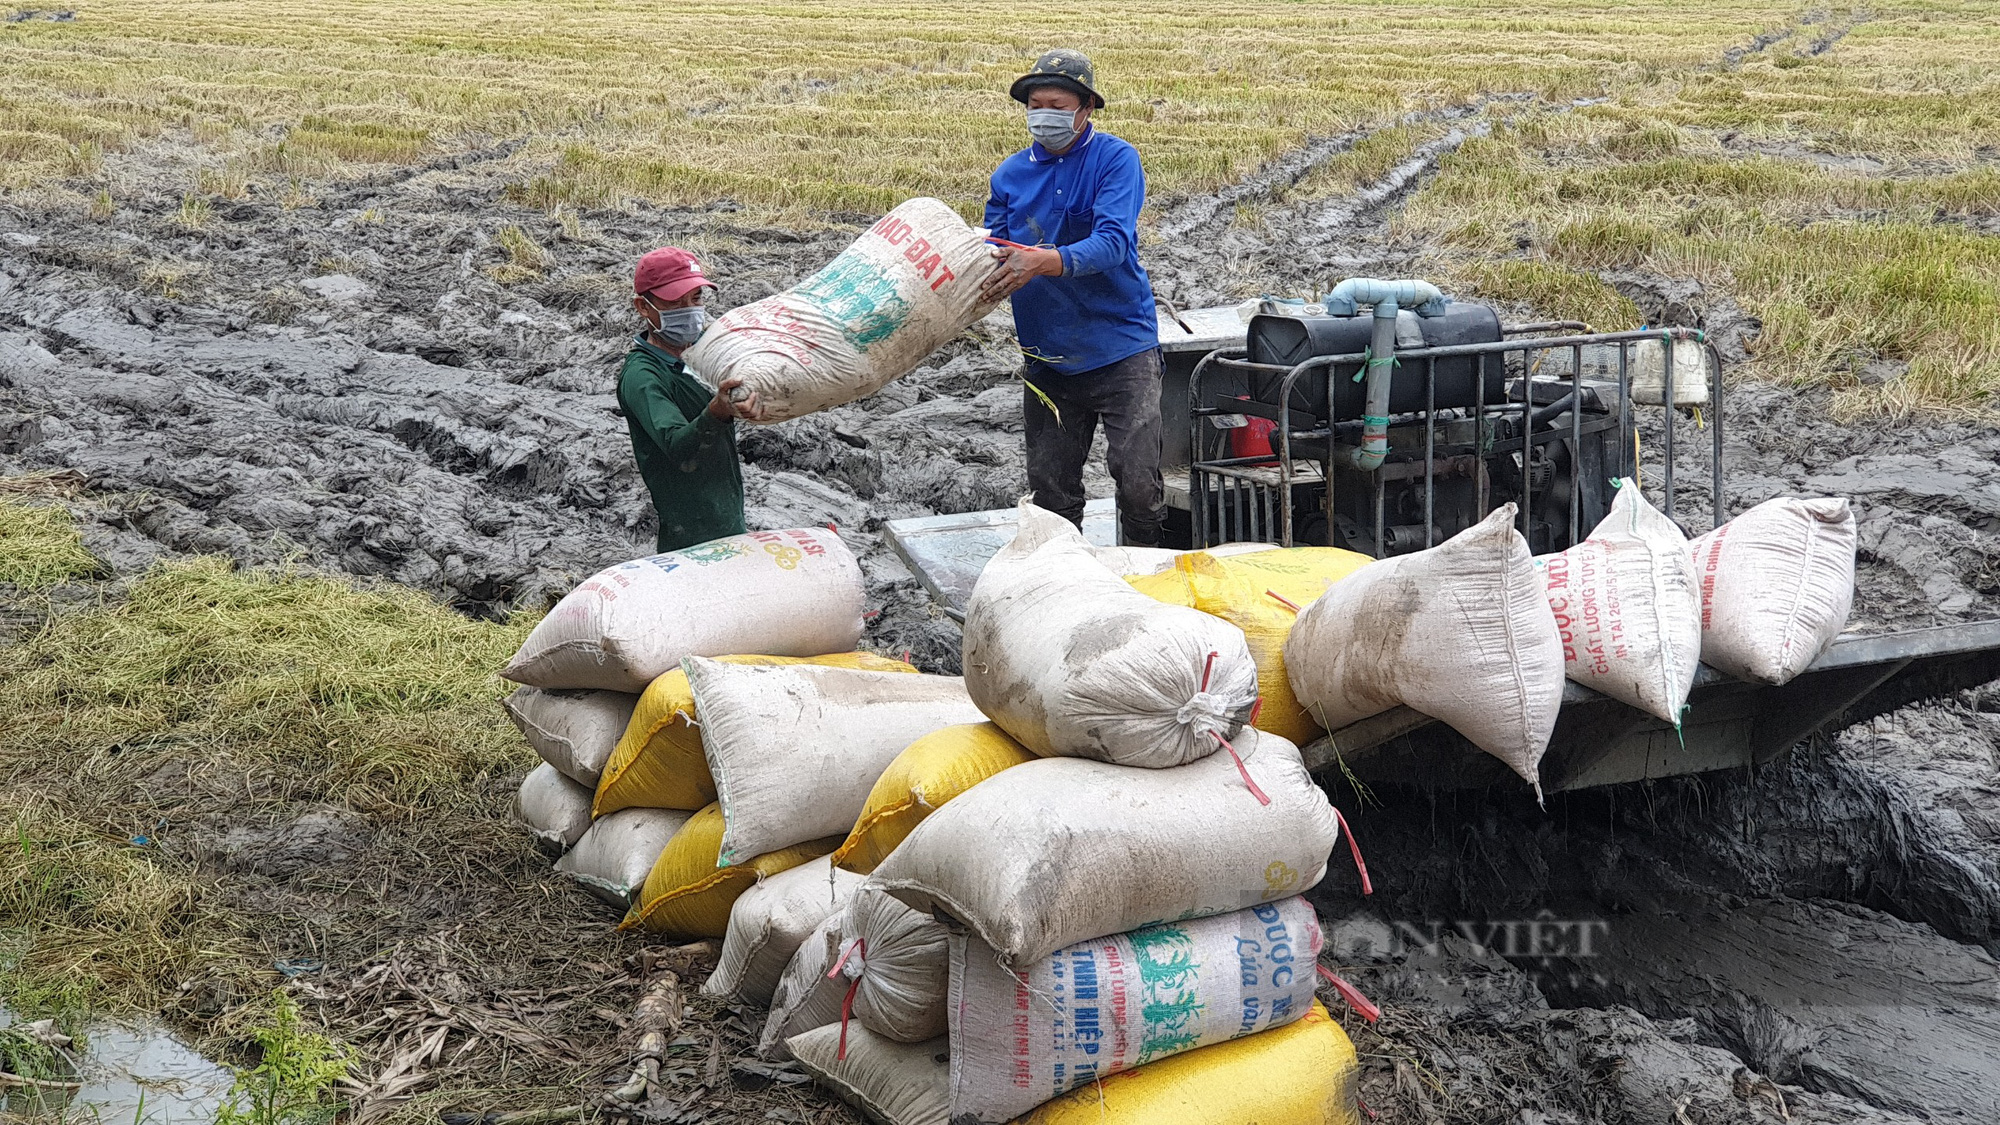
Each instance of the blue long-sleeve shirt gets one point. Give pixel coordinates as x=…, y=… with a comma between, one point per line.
x=1086, y=204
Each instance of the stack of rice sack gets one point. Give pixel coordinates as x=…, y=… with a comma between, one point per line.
x=1639, y=608
x=1086, y=908
x=1479, y=633
x=673, y=826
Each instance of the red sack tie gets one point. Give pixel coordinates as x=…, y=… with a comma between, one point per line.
x=1281, y=600
x=1233, y=755
x=860, y=946
x=1238, y=759
x=1351, y=994
x=1255, y=709
x=1363, y=1103
x=1367, y=888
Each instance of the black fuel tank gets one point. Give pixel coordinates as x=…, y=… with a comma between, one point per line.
x=1289, y=340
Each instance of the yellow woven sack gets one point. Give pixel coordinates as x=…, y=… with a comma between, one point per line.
x=931, y=771
x=1303, y=1073
x=659, y=764
x=687, y=896
x=1297, y=574
x=1261, y=595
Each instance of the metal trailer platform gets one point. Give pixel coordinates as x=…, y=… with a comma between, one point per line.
x=1597, y=741
x=1729, y=723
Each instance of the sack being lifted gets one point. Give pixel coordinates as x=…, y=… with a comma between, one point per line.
x=784, y=593
x=1069, y=659
x=905, y=287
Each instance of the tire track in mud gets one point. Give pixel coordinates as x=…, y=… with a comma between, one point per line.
x=1207, y=258
x=1190, y=217
x=1836, y=28
x=1825, y=41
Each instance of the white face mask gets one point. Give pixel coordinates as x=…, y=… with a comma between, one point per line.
x=1054, y=128
x=680, y=327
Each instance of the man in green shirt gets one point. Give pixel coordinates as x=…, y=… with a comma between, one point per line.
x=683, y=436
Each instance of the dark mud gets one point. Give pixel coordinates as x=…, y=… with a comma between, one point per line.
x=346, y=384
x=1828, y=921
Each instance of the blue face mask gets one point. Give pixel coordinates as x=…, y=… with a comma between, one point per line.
x=1054, y=128
x=681, y=327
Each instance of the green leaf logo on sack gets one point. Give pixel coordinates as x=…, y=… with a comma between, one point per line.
x=1167, y=974
x=857, y=298
x=1099, y=1007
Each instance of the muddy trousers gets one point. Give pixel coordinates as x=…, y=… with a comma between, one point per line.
x=1125, y=396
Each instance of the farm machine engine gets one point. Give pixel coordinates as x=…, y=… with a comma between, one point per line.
x=1390, y=417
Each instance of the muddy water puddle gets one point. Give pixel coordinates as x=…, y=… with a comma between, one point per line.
x=124, y=1074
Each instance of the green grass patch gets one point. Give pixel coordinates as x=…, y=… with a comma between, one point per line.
x=1604, y=240
x=89, y=921
x=360, y=142
x=1834, y=295
x=40, y=546
x=1842, y=268
x=1555, y=291
x=257, y=686
x=294, y=1079
x=381, y=686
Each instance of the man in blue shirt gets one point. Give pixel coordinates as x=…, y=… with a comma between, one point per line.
x=1083, y=309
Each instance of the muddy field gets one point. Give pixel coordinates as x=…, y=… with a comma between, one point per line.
x=345, y=385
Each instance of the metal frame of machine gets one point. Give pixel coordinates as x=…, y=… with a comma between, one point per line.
x=1238, y=498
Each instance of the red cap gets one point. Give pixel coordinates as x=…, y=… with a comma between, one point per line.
x=668, y=273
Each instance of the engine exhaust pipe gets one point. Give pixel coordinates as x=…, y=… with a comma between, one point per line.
x=1388, y=298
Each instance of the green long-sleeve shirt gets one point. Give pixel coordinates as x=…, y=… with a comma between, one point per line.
x=686, y=456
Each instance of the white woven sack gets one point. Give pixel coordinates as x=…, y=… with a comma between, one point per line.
x=904, y=288
x=805, y=998
x=1060, y=850
x=1070, y=660
x=1100, y=1007
x=794, y=749
x=777, y=593
x=613, y=857
x=1648, y=372
x=1130, y=562
x=889, y=1082
x=555, y=809
x=1627, y=609
x=574, y=731
x=769, y=922
x=897, y=959
x=1461, y=632
x=1137, y=562
x=1777, y=584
